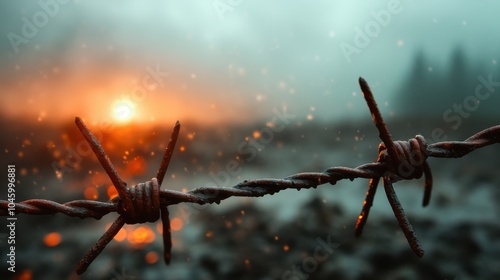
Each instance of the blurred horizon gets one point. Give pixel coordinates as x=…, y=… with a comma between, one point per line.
x=446, y=85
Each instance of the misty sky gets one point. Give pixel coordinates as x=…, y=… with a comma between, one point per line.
x=225, y=60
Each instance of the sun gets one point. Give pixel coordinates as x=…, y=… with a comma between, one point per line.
x=123, y=110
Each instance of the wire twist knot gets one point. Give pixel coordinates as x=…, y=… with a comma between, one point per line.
x=409, y=160
x=145, y=203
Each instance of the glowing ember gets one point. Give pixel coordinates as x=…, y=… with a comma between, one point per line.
x=25, y=275
x=176, y=224
x=91, y=193
x=256, y=134
x=52, y=239
x=136, y=167
x=286, y=248
x=141, y=236
x=151, y=257
x=121, y=235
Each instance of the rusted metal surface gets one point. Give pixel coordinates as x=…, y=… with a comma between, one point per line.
x=146, y=202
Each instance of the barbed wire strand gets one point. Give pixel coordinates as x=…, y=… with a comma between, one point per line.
x=146, y=202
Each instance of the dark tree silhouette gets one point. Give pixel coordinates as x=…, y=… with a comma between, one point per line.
x=430, y=93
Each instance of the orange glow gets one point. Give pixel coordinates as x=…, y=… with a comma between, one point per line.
x=112, y=192
x=286, y=248
x=159, y=228
x=256, y=134
x=137, y=166
x=99, y=178
x=141, y=236
x=182, y=148
x=121, y=235
x=91, y=193
x=247, y=263
x=52, y=239
x=122, y=99
x=151, y=257
x=25, y=275
x=176, y=224
x=209, y=234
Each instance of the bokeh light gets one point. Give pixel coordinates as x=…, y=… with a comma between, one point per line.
x=52, y=239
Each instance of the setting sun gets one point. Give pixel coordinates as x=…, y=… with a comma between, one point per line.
x=123, y=110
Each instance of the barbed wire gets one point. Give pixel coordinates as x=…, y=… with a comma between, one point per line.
x=146, y=202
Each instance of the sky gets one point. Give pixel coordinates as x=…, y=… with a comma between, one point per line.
x=223, y=61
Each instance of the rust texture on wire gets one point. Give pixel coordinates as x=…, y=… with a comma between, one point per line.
x=146, y=202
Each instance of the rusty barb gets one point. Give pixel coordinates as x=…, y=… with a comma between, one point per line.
x=146, y=202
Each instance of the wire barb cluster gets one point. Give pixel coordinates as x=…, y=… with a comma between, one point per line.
x=146, y=202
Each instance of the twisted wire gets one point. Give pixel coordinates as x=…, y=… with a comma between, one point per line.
x=268, y=186
x=261, y=187
x=146, y=202
x=202, y=195
x=75, y=208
